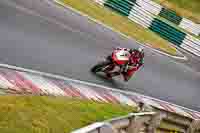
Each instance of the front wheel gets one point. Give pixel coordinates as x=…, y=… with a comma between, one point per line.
x=99, y=67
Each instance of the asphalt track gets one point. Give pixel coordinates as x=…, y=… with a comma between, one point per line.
x=42, y=36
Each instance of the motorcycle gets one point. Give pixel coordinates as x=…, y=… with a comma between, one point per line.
x=118, y=59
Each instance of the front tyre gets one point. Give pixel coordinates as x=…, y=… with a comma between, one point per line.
x=98, y=67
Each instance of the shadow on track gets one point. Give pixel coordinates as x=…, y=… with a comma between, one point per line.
x=114, y=82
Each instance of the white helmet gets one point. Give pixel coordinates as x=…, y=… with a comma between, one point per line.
x=140, y=49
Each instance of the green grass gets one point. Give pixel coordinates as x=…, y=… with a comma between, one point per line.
x=187, y=8
x=31, y=114
x=121, y=23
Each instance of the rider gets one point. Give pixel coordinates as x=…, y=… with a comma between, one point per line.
x=135, y=62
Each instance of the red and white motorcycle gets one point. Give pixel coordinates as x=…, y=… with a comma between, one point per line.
x=119, y=57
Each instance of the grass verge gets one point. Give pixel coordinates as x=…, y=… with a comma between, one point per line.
x=187, y=8
x=121, y=23
x=31, y=114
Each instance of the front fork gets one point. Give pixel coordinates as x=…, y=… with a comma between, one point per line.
x=108, y=68
x=110, y=65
